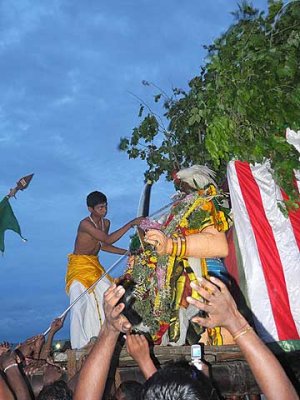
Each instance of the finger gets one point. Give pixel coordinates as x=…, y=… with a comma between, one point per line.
x=219, y=283
x=203, y=322
x=108, y=292
x=209, y=286
x=116, y=311
x=126, y=325
x=199, y=304
x=206, y=295
x=154, y=234
x=114, y=296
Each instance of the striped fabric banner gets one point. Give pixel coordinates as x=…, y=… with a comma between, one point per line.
x=269, y=246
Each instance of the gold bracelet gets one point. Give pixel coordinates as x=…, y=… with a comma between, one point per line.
x=178, y=246
x=174, y=248
x=183, y=247
x=10, y=366
x=240, y=330
x=243, y=332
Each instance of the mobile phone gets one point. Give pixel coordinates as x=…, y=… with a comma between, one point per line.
x=196, y=352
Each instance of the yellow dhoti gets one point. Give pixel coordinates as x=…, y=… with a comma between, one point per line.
x=87, y=314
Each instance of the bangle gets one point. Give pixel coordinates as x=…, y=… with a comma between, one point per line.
x=174, y=247
x=178, y=246
x=10, y=366
x=240, y=330
x=243, y=332
x=183, y=247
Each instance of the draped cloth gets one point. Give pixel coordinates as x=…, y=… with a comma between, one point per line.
x=85, y=269
x=267, y=248
x=87, y=314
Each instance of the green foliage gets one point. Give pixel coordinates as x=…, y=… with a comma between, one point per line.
x=246, y=95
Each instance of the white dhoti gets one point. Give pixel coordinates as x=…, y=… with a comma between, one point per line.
x=87, y=314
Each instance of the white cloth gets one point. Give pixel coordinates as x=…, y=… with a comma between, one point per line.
x=85, y=321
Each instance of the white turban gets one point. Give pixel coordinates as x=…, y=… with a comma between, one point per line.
x=197, y=176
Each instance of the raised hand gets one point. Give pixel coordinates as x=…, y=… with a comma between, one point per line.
x=114, y=320
x=57, y=323
x=219, y=305
x=138, y=348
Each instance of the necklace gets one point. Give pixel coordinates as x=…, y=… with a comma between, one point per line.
x=93, y=222
x=100, y=223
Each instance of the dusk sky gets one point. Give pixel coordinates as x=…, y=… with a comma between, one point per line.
x=71, y=72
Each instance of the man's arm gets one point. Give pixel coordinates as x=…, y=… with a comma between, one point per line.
x=110, y=238
x=93, y=375
x=56, y=325
x=208, y=243
x=112, y=249
x=15, y=379
x=221, y=310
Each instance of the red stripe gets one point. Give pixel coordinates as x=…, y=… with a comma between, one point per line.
x=232, y=265
x=268, y=253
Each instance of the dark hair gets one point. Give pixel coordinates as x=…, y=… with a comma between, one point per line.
x=178, y=381
x=95, y=198
x=130, y=389
x=56, y=391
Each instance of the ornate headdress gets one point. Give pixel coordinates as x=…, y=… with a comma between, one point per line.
x=196, y=176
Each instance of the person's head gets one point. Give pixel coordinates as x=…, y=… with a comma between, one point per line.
x=128, y=390
x=97, y=203
x=178, y=381
x=56, y=391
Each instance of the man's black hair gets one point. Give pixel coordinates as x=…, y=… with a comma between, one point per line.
x=95, y=198
x=131, y=389
x=56, y=391
x=178, y=381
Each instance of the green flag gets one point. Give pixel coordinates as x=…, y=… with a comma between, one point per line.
x=7, y=221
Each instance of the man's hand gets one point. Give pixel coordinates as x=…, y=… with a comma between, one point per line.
x=162, y=244
x=114, y=320
x=219, y=305
x=138, y=348
x=137, y=221
x=57, y=323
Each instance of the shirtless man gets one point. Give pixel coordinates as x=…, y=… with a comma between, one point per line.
x=84, y=269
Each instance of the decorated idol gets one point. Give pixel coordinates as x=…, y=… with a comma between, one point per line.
x=188, y=242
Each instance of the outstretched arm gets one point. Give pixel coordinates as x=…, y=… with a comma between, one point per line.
x=112, y=249
x=93, y=375
x=208, y=243
x=56, y=325
x=104, y=237
x=221, y=310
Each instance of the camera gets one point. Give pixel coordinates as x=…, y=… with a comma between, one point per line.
x=128, y=299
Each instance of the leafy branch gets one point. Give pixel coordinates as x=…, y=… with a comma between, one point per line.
x=239, y=106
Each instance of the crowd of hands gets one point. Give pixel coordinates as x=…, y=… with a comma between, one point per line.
x=19, y=364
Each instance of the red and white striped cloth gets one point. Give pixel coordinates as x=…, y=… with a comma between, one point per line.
x=269, y=245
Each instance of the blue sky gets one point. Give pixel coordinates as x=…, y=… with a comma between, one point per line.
x=68, y=69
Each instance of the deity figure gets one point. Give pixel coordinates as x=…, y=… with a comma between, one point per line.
x=186, y=243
